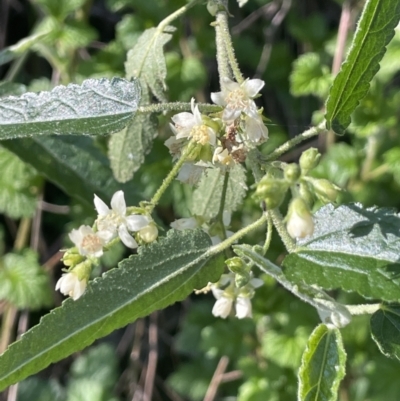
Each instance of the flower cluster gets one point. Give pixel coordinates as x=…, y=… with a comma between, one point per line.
x=90, y=242
x=223, y=139
x=227, y=293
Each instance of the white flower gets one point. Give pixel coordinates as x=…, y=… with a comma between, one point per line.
x=223, y=305
x=243, y=307
x=69, y=284
x=175, y=146
x=189, y=223
x=255, y=129
x=190, y=125
x=88, y=242
x=242, y=2
x=222, y=156
x=237, y=98
x=115, y=221
x=300, y=223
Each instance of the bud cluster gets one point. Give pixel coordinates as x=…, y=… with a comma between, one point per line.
x=272, y=189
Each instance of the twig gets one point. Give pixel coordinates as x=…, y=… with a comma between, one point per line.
x=153, y=358
x=216, y=379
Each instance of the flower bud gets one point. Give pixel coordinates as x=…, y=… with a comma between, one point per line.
x=300, y=223
x=292, y=173
x=309, y=159
x=271, y=190
x=236, y=265
x=306, y=194
x=325, y=190
x=242, y=279
x=149, y=233
x=71, y=258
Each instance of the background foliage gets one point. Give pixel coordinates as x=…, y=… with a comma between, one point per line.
x=183, y=352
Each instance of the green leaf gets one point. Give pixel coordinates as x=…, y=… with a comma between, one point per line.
x=11, y=88
x=74, y=164
x=310, y=76
x=98, y=106
x=146, y=60
x=375, y=30
x=385, y=330
x=161, y=274
x=207, y=196
x=19, y=186
x=60, y=8
x=127, y=148
x=352, y=248
x=23, y=282
x=322, y=366
x=314, y=296
x=10, y=53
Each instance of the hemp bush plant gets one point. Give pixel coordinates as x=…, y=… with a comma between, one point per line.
x=222, y=159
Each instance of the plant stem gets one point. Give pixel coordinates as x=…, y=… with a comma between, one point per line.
x=277, y=219
x=364, y=309
x=295, y=141
x=222, y=55
x=177, y=106
x=220, y=214
x=22, y=235
x=168, y=179
x=180, y=11
x=230, y=51
x=268, y=238
x=241, y=233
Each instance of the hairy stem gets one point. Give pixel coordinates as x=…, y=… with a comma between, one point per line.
x=169, y=178
x=177, y=106
x=295, y=141
x=364, y=309
x=281, y=228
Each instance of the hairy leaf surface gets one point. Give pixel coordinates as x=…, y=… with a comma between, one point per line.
x=98, y=106
x=146, y=60
x=352, y=248
x=161, y=274
x=310, y=294
x=375, y=30
x=322, y=366
x=128, y=148
x=207, y=196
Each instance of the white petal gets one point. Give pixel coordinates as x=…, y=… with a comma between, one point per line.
x=256, y=282
x=189, y=223
x=126, y=238
x=217, y=292
x=255, y=129
x=218, y=98
x=243, y=307
x=184, y=119
x=101, y=207
x=212, y=137
x=78, y=290
x=253, y=86
x=118, y=203
x=136, y=222
x=230, y=85
x=197, y=116
x=75, y=236
x=231, y=114
x=222, y=307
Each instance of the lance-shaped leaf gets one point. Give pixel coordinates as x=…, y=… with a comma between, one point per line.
x=385, y=330
x=336, y=313
x=207, y=196
x=11, y=52
x=352, y=248
x=98, y=106
x=161, y=274
x=146, y=59
x=74, y=164
x=375, y=30
x=322, y=365
x=127, y=148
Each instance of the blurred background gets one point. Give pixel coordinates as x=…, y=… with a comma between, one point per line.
x=183, y=352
